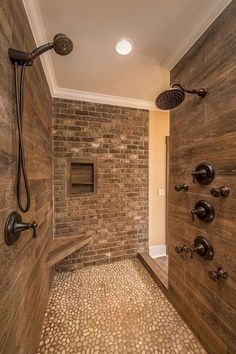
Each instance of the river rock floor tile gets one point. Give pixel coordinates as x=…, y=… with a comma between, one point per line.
x=113, y=308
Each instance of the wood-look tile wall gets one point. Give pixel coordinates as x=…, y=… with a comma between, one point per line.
x=205, y=130
x=116, y=140
x=24, y=279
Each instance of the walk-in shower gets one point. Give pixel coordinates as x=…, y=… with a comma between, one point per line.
x=20, y=59
x=175, y=95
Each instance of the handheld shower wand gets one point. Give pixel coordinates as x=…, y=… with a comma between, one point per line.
x=62, y=46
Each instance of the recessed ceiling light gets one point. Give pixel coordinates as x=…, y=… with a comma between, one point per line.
x=124, y=47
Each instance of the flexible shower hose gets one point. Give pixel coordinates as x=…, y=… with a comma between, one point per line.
x=21, y=169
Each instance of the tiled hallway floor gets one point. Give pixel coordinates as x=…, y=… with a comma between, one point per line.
x=113, y=308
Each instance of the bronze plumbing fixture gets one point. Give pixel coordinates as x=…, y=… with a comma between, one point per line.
x=202, y=246
x=175, y=95
x=204, y=211
x=220, y=192
x=14, y=226
x=204, y=173
x=20, y=60
x=181, y=187
x=220, y=273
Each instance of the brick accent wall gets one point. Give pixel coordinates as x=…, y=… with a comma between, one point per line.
x=116, y=139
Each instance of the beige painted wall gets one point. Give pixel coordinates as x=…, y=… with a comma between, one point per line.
x=158, y=130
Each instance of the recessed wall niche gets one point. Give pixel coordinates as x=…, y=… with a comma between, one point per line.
x=81, y=177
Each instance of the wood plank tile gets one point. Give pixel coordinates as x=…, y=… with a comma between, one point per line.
x=205, y=130
x=24, y=277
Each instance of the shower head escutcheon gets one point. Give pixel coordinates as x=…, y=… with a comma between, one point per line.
x=175, y=95
x=61, y=44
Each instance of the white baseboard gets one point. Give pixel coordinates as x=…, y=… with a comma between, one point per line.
x=157, y=251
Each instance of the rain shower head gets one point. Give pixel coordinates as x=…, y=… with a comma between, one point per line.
x=170, y=98
x=174, y=96
x=61, y=44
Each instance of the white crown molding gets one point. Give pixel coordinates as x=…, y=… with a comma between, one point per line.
x=105, y=99
x=36, y=23
x=208, y=19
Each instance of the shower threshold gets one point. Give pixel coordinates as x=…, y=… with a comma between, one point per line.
x=158, y=268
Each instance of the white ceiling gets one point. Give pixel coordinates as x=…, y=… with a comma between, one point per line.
x=161, y=30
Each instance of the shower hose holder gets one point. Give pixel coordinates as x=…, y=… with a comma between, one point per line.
x=20, y=57
x=14, y=226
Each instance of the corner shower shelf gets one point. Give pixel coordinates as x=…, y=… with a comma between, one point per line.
x=62, y=247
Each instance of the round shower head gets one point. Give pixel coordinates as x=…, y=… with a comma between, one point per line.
x=62, y=44
x=170, y=98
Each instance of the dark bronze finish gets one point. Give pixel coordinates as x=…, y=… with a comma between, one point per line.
x=201, y=245
x=220, y=192
x=20, y=60
x=180, y=187
x=204, y=211
x=220, y=273
x=14, y=226
x=204, y=173
x=188, y=249
x=181, y=249
x=61, y=44
x=175, y=95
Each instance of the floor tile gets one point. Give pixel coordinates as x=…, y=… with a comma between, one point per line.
x=113, y=308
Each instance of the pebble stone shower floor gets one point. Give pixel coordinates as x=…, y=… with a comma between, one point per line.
x=113, y=308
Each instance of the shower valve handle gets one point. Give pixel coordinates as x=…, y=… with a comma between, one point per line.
x=220, y=192
x=199, y=173
x=19, y=227
x=220, y=273
x=180, y=187
x=197, y=249
x=14, y=226
x=199, y=212
x=204, y=173
x=204, y=211
x=187, y=249
x=181, y=249
x=34, y=226
x=201, y=246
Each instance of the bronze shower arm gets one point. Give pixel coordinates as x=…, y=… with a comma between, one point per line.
x=200, y=92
